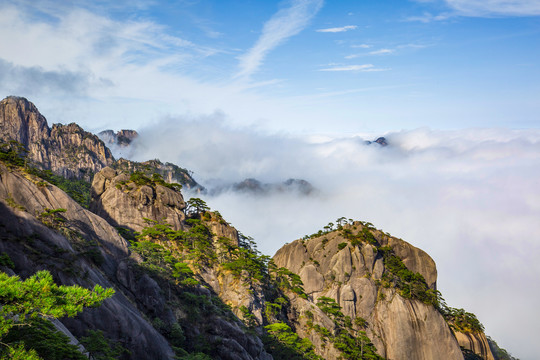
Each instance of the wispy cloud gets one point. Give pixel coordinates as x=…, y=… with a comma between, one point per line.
x=361, y=46
x=427, y=17
x=487, y=8
x=285, y=23
x=382, y=52
x=359, y=68
x=338, y=29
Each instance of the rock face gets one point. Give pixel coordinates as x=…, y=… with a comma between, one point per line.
x=400, y=328
x=124, y=203
x=85, y=249
x=67, y=150
x=475, y=342
x=60, y=253
x=171, y=173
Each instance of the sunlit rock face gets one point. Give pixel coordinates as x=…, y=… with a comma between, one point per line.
x=67, y=150
x=400, y=328
x=124, y=203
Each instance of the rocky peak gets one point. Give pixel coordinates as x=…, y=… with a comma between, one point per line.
x=20, y=120
x=125, y=199
x=67, y=150
x=120, y=138
x=368, y=274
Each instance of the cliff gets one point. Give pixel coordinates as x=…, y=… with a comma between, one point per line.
x=355, y=266
x=67, y=150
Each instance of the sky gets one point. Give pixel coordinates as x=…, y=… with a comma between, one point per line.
x=291, y=89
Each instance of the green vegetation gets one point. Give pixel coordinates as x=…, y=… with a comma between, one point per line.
x=151, y=167
x=53, y=218
x=5, y=260
x=13, y=154
x=412, y=285
x=195, y=207
x=284, y=344
x=77, y=189
x=460, y=320
x=346, y=336
x=41, y=336
x=499, y=353
x=99, y=347
x=38, y=297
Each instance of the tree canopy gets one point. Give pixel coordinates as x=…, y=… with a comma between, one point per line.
x=39, y=297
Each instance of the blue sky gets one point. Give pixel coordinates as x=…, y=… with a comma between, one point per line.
x=280, y=89
x=293, y=66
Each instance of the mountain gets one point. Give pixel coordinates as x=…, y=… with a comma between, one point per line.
x=67, y=150
x=188, y=285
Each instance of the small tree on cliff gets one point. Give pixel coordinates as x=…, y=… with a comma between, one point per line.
x=195, y=207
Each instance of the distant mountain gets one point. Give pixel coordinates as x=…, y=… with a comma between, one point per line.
x=258, y=188
x=381, y=141
x=120, y=138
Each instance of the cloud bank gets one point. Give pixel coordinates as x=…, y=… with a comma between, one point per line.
x=470, y=198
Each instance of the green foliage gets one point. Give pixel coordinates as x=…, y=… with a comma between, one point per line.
x=39, y=297
x=140, y=179
x=195, y=207
x=412, y=285
x=462, y=321
x=355, y=347
x=53, y=218
x=282, y=343
x=5, y=260
x=77, y=189
x=41, y=336
x=248, y=317
x=498, y=352
x=329, y=306
x=101, y=348
x=13, y=153
x=287, y=280
x=342, y=246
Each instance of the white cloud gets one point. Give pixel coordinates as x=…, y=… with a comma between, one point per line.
x=285, y=23
x=338, y=29
x=382, y=52
x=496, y=7
x=360, y=68
x=361, y=46
x=470, y=198
x=427, y=17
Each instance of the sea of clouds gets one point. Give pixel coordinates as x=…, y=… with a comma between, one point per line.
x=470, y=198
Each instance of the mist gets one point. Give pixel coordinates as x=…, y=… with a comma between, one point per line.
x=470, y=198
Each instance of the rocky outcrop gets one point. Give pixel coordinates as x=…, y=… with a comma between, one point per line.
x=124, y=203
x=85, y=249
x=354, y=276
x=120, y=138
x=171, y=173
x=255, y=187
x=475, y=342
x=67, y=150
x=33, y=246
